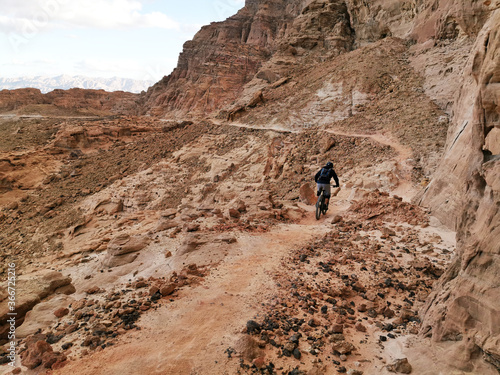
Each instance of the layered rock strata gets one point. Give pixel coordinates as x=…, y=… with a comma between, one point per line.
x=73, y=99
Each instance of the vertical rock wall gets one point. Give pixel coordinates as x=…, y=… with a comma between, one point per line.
x=465, y=192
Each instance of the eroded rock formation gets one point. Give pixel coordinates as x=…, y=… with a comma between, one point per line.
x=465, y=193
x=224, y=56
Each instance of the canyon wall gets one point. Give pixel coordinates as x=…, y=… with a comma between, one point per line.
x=223, y=57
x=465, y=193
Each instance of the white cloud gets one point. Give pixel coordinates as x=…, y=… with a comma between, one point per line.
x=28, y=16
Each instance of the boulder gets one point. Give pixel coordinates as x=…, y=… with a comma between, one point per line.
x=248, y=348
x=167, y=289
x=400, y=366
x=40, y=353
x=124, y=244
x=307, y=194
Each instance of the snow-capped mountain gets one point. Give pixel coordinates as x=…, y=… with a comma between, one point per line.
x=46, y=84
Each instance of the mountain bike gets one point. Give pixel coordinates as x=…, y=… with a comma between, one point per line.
x=321, y=206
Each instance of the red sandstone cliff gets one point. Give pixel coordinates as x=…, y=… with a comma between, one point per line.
x=19, y=101
x=214, y=67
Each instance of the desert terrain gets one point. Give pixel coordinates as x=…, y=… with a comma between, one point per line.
x=173, y=232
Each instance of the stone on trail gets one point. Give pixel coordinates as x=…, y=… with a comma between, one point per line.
x=253, y=327
x=248, y=348
x=307, y=194
x=401, y=366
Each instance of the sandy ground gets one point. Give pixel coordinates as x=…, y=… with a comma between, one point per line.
x=189, y=335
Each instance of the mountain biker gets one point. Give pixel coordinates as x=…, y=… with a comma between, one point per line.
x=323, y=177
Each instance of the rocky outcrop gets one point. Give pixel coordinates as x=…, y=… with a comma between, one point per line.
x=465, y=194
x=270, y=39
x=418, y=19
x=224, y=56
x=123, y=249
x=31, y=289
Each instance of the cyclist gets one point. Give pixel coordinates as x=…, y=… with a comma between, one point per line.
x=323, y=178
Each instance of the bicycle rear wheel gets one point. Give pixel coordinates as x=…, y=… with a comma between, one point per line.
x=319, y=206
x=324, y=207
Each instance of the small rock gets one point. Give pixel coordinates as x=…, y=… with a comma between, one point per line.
x=141, y=284
x=338, y=328
x=191, y=227
x=13, y=206
x=401, y=366
x=337, y=219
x=234, y=213
x=259, y=362
x=93, y=290
x=167, y=290
x=388, y=313
x=343, y=347
x=296, y=353
x=360, y=327
x=61, y=312
x=362, y=307
x=253, y=327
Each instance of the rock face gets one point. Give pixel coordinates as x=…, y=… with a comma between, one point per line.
x=270, y=39
x=465, y=194
x=32, y=288
x=224, y=56
x=419, y=19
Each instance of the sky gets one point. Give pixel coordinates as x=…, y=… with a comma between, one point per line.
x=139, y=39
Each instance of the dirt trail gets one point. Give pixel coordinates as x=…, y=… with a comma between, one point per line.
x=188, y=335
x=404, y=154
x=405, y=188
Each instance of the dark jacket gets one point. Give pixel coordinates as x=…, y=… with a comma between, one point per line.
x=326, y=180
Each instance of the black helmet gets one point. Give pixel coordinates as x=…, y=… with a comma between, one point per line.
x=329, y=165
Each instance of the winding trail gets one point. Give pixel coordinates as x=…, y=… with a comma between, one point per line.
x=403, y=170
x=188, y=335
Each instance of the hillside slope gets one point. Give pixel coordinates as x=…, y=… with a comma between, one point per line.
x=182, y=240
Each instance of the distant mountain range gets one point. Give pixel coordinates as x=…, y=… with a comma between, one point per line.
x=46, y=84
